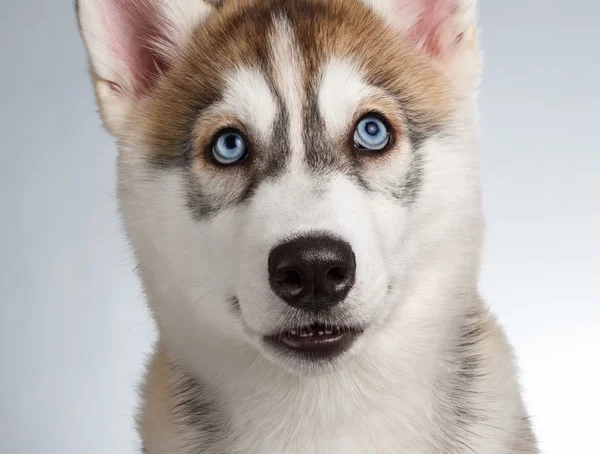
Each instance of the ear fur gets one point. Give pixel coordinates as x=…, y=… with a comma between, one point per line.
x=130, y=43
x=446, y=30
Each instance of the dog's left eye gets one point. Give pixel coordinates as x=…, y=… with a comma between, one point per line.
x=229, y=147
x=371, y=134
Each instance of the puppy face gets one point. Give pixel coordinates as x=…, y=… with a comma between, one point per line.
x=285, y=172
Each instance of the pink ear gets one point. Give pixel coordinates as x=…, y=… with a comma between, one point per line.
x=131, y=42
x=134, y=31
x=435, y=26
x=433, y=15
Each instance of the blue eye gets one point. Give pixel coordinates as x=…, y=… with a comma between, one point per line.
x=371, y=134
x=229, y=147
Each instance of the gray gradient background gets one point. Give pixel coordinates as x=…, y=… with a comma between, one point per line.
x=73, y=328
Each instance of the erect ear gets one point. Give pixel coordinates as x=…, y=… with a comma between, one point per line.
x=130, y=43
x=446, y=30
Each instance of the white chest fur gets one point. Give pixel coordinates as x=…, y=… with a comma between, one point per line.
x=333, y=414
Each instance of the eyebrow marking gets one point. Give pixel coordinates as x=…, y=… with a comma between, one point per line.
x=247, y=95
x=341, y=91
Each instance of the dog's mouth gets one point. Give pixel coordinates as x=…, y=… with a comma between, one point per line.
x=315, y=341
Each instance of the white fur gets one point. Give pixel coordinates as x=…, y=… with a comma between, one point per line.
x=290, y=207
x=248, y=97
x=341, y=92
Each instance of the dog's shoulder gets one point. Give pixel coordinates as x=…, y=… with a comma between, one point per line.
x=178, y=413
x=485, y=408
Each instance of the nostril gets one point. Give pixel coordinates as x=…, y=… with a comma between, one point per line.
x=291, y=279
x=337, y=275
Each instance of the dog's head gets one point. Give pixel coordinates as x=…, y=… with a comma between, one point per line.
x=289, y=168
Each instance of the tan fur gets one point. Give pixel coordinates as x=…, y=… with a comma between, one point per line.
x=155, y=423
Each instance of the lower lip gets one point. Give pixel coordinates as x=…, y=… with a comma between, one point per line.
x=315, y=345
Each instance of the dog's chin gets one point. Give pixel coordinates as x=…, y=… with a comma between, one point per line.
x=312, y=349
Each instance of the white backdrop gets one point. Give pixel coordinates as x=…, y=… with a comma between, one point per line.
x=73, y=329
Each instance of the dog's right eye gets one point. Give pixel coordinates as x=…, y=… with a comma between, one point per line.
x=371, y=134
x=229, y=147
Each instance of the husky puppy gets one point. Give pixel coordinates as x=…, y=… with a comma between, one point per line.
x=299, y=180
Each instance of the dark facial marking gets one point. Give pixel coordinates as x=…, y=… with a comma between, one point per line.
x=408, y=190
x=195, y=412
x=320, y=155
x=458, y=393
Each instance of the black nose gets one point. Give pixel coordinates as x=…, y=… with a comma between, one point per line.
x=313, y=272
